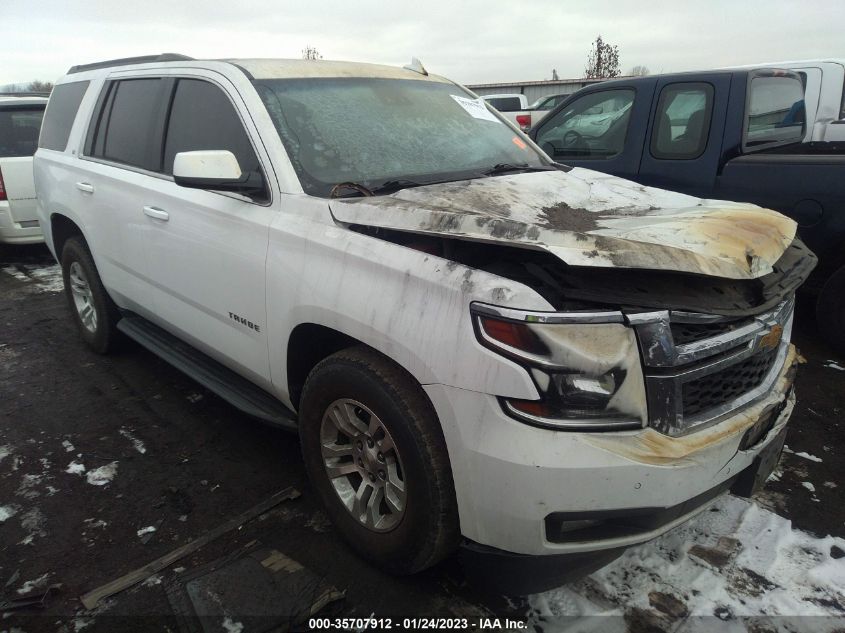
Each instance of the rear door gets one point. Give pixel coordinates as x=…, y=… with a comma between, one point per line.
x=599, y=129
x=208, y=249
x=684, y=143
x=19, y=128
x=120, y=165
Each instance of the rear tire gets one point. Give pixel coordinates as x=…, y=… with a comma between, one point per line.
x=830, y=311
x=365, y=419
x=94, y=313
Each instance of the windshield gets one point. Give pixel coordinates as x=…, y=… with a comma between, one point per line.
x=372, y=131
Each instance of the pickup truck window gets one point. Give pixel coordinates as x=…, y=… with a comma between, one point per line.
x=505, y=104
x=775, y=113
x=592, y=127
x=682, y=121
x=370, y=131
x=19, y=127
x=126, y=126
x=61, y=111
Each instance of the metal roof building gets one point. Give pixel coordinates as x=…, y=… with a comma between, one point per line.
x=533, y=90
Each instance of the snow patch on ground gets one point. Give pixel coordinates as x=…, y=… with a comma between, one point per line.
x=735, y=560
x=231, y=626
x=812, y=458
x=146, y=530
x=31, y=585
x=75, y=468
x=138, y=444
x=102, y=475
x=834, y=365
x=33, y=521
x=5, y=451
x=808, y=486
x=7, y=512
x=46, y=278
x=69, y=448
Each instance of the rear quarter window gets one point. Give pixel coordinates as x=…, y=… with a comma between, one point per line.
x=61, y=112
x=19, y=127
x=775, y=113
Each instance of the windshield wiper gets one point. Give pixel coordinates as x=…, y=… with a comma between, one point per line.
x=503, y=168
x=388, y=186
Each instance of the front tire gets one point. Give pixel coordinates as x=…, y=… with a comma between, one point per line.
x=376, y=456
x=830, y=311
x=94, y=313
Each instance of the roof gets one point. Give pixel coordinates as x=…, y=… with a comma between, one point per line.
x=272, y=68
x=293, y=68
x=14, y=100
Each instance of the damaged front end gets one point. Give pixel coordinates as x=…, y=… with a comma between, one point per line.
x=669, y=312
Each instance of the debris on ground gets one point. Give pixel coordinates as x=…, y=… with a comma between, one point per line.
x=92, y=598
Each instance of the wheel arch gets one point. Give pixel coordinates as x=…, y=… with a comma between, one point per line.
x=62, y=228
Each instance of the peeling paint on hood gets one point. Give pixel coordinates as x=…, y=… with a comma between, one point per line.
x=588, y=218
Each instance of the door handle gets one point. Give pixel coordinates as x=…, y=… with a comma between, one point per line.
x=86, y=187
x=156, y=213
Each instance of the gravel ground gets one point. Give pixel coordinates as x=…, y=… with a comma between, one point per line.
x=107, y=463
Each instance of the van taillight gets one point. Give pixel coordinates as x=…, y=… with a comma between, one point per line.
x=524, y=120
x=2, y=187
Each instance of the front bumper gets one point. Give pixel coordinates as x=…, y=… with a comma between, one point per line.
x=510, y=477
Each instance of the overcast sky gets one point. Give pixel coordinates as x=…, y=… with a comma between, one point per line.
x=468, y=41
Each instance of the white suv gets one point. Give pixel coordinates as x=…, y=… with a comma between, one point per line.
x=20, y=123
x=477, y=346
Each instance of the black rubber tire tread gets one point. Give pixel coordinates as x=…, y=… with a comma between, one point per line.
x=429, y=530
x=830, y=311
x=107, y=337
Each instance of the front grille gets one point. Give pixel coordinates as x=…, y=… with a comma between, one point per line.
x=683, y=333
x=699, y=368
x=721, y=387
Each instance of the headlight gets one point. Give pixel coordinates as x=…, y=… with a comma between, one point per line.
x=586, y=366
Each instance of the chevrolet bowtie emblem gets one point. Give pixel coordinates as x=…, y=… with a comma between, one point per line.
x=772, y=339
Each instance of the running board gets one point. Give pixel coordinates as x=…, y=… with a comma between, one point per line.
x=234, y=389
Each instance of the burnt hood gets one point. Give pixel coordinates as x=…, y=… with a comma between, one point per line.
x=587, y=218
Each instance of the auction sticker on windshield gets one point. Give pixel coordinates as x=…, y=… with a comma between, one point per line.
x=476, y=108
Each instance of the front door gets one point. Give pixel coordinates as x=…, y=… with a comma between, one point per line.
x=208, y=249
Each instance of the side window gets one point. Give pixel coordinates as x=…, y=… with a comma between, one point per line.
x=682, y=121
x=592, y=127
x=203, y=118
x=126, y=129
x=61, y=111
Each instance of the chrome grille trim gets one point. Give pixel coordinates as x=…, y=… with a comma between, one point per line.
x=667, y=366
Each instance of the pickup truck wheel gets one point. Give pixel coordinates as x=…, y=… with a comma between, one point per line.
x=93, y=311
x=830, y=311
x=375, y=454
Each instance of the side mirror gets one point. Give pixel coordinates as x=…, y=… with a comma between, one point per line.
x=214, y=169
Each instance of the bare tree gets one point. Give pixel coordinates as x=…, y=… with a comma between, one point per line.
x=40, y=86
x=309, y=52
x=602, y=60
x=639, y=71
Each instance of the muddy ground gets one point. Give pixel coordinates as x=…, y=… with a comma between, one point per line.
x=94, y=450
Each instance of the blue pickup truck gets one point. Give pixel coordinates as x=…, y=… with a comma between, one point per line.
x=732, y=134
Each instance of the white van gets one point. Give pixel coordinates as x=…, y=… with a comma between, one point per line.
x=478, y=347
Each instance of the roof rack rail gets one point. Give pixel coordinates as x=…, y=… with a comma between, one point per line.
x=127, y=61
x=25, y=94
